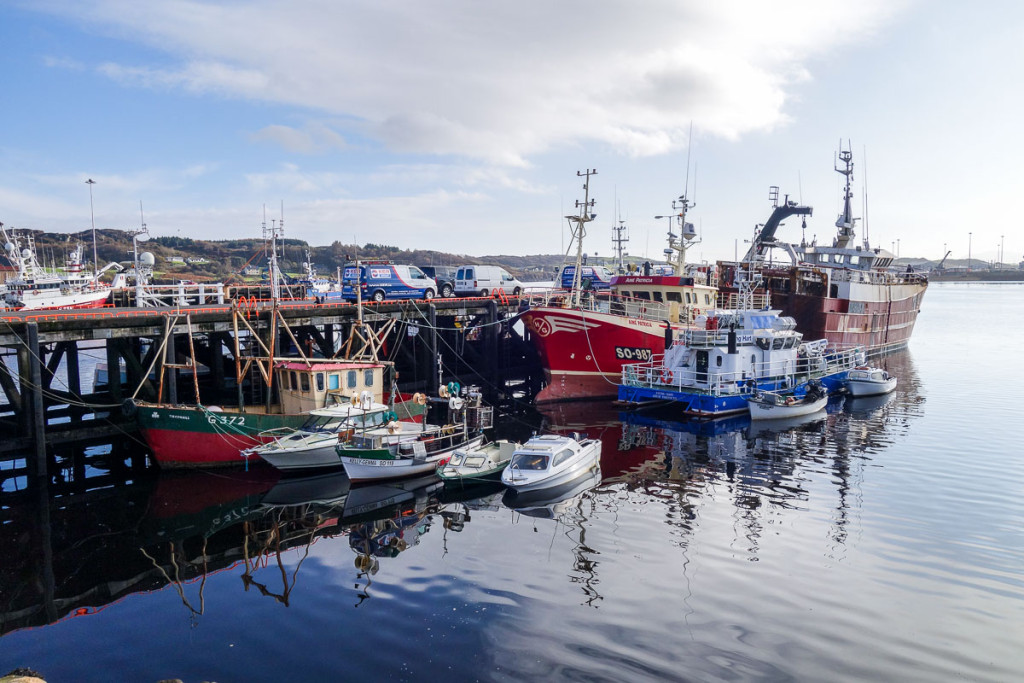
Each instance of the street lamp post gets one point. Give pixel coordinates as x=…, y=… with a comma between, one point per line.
x=92, y=218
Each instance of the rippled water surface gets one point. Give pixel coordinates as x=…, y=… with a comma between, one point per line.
x=881, y=541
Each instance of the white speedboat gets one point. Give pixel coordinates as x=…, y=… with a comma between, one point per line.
x=767, y=405
x=314, y=444
x=553, y=502
x=551, y=460
x=865, y=381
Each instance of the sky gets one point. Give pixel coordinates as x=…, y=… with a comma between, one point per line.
x=460, y=126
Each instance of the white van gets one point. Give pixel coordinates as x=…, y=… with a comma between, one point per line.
x=485, y=281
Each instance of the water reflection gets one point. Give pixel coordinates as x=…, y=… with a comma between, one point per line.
x=75, y=555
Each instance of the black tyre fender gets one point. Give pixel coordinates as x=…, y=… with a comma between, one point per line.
x=129, y=408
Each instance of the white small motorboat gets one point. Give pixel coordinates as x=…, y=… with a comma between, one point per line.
x=551, y=460
x=314, y=444
x=767, y=405
x=865, y=381
x=552, y=502
x=481, y=464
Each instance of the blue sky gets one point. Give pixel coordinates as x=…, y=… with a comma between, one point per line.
x=460, y=125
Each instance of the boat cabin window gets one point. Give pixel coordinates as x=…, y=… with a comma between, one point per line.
x=351, y=379
x=707, y=299
x=562, y=456
x=295, y=381
x=777, y=343
x=657, y=297
x=368, y=378
x=305, y=381
x=674, y=296
x=688, y=298
x=645, y=296
x=718, y=361
x=333, y=381
x=475, y=461
x=456, y=459
x=529, y=461
x=319, y=381
x=763, y=343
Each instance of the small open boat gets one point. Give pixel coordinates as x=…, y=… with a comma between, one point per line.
x=551, y=460
x=313, y=445
x=768, y=405
x=483, y=463
x=865, y=381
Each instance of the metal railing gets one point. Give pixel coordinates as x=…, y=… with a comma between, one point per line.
x=654, y=374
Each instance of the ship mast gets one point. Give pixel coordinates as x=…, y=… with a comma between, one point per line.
x=845, y=222
x=619, y=240
x=577, y=225
x=272, y=267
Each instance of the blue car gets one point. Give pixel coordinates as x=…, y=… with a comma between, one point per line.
x=380, y=280
x=599, y=277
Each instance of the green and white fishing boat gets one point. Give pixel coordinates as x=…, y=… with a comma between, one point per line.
x=373, y=457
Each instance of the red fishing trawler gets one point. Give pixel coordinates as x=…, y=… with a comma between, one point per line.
x=847, y=293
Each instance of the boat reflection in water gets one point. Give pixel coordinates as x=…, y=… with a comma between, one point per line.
x=552, y=502
x=82, y=554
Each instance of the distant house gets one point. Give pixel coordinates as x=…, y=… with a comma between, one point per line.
x=251, y=270
x=194, y=260
x=175, y=259
x=6, y=272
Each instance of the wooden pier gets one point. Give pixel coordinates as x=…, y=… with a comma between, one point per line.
x=187, y=354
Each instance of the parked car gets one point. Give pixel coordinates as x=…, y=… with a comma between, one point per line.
x=598, y=278
x=444, y=276
x=485, y=281
x=380, y=280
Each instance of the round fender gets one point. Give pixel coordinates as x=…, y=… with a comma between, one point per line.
x=129, y=407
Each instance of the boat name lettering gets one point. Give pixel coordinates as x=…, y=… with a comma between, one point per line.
x=233, y=420
x=632, y=353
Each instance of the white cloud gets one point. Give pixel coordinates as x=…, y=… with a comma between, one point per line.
x=493, y=82
x=313, y=138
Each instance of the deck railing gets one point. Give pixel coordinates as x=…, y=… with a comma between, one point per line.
x=654, y=374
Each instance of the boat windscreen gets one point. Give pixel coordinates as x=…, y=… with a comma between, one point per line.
x=529, y=461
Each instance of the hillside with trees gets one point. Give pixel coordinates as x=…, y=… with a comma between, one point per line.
x=245, y=260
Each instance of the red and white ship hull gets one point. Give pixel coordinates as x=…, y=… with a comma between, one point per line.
x=582, y=352
x=48, y=301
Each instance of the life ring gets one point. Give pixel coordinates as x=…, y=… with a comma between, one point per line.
x=419, y=399
x=443, y=391
x=666, y=376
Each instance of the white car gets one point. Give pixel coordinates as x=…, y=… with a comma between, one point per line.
x=486, y=281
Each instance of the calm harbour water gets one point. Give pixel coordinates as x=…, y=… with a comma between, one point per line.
x=884, y=541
